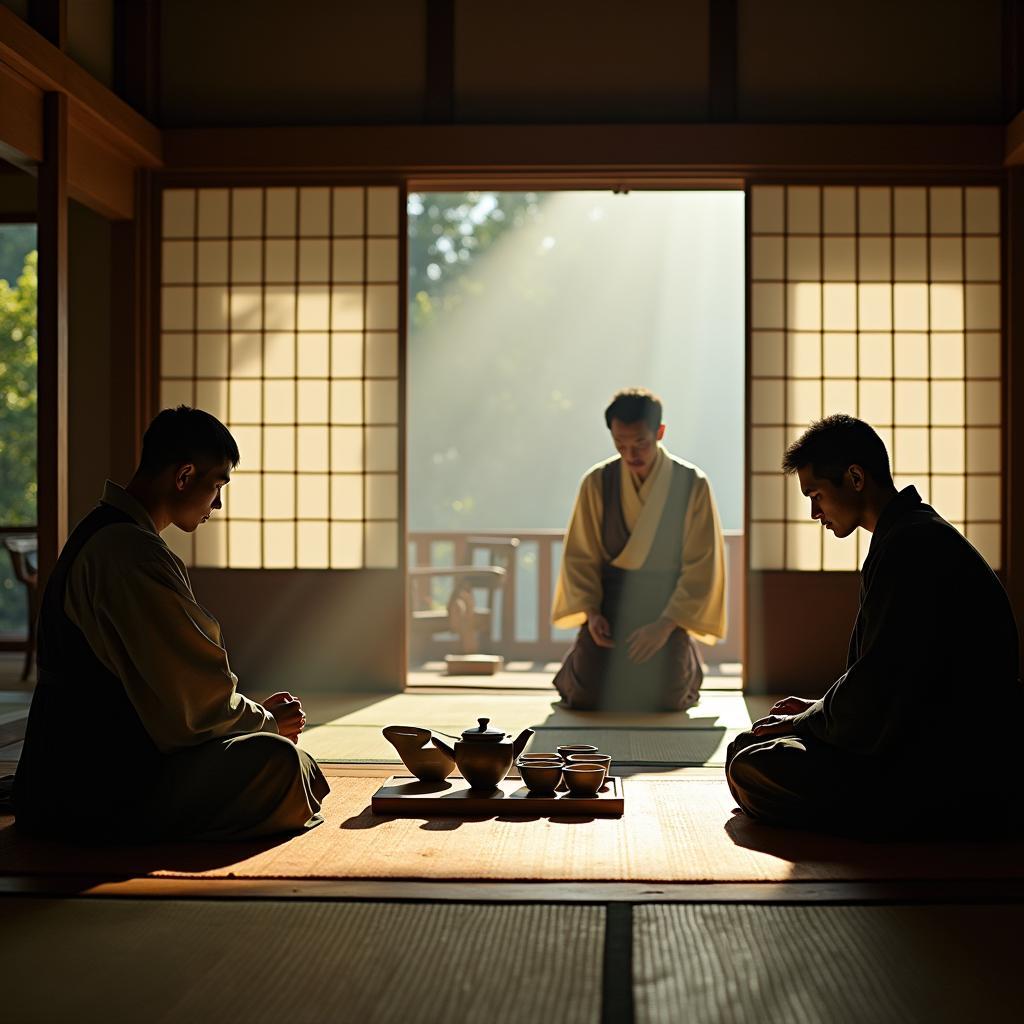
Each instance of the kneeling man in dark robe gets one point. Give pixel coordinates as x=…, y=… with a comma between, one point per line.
x=643, y=570
x=137, y=730
x=889, y=749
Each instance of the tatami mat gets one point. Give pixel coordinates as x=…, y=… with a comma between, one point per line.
x=513, y=712
x=194, y=962
x=674, y=830
x=698, y=736
x=708, y=963
x=346, y=744
x=530, y=676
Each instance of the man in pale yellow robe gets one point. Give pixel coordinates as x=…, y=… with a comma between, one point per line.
x=137, y=729
x=643, y=571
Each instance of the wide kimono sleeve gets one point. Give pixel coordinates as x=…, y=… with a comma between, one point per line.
x=578, y=592
x=139, y=616
x=874, y=707
x=698, y=602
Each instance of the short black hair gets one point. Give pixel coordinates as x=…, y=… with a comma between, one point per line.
x=634, y=405
x=830, y=446
x=181, y=435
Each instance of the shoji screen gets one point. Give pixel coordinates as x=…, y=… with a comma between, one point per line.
x=280, y=314
x=883, y=302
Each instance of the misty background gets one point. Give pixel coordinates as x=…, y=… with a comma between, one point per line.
x=527, y=311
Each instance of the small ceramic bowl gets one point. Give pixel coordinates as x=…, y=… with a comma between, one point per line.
x=583, y=779
x=540, y=776
x=539, y=757
x=605, y=760
x=575, y=748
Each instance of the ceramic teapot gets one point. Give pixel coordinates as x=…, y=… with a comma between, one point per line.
x=485, y=755
x=427, y=763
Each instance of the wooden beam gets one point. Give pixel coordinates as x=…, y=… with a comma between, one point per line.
x=98, y=176
x=44, y=66
x=50, y=19
x=594, y=149
x=137, y=55
x=1013, y=48
x=21, y=118
x=440, y=87
x=52, y=471
x=1013, y=374
x=1014, y=155
x=723, y=22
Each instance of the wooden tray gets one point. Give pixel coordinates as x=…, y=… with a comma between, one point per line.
x=403, y=795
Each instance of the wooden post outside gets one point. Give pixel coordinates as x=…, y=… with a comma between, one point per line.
x=52, y=464
x=545, y=591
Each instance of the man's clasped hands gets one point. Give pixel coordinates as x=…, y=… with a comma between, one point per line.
x=287, y=712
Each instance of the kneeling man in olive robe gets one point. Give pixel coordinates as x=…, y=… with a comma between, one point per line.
x=136, y=728
x=643, y=571
x=913, y=737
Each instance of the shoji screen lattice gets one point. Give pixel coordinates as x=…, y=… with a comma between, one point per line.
x=883, y=303
x=280, y=315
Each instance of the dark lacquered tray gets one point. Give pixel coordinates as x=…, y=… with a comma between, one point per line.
x=405, y=796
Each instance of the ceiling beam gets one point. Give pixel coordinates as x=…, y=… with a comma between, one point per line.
x=44, y=67
x=597, y=149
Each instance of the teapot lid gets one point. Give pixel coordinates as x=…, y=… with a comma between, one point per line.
x=483, y=734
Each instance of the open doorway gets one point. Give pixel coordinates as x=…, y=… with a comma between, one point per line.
x=18, y=424
x=527, y=311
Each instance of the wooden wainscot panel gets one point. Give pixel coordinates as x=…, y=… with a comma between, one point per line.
x=798, y=630
x=307, y=630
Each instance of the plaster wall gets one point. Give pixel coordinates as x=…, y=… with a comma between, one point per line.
x=915, y=61
x=262, y=63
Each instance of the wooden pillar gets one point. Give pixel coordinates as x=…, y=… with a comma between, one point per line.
x=137, y=55
x=439, y=101
x=50, y=19
x=52, y=465
x=135, y=378
x=723, y=22
x=1013, y=514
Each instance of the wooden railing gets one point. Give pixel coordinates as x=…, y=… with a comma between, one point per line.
x=522, y=628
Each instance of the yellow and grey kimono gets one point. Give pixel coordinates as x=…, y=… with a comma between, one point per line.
x=637, y=551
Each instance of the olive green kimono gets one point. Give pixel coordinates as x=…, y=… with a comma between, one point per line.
x=136, y=728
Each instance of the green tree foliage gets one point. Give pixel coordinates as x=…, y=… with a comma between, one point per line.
x=15, y=241
x=18, y=360
x=448, y=233
x=18, y=363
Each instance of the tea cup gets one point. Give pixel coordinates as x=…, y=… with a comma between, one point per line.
x=567, y=749
x=541, y=776
x=605, y=760
x=583, y=779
